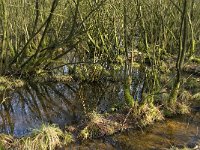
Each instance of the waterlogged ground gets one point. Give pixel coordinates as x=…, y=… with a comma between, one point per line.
x=175, y=132
x=63, y=104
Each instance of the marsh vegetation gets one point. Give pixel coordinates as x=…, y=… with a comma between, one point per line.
x=84, y=69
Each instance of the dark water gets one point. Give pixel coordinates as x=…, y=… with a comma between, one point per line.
x=25, y=109
x=62, y=104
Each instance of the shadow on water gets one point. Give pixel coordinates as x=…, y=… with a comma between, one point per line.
x=29, y=107
x=33, y=105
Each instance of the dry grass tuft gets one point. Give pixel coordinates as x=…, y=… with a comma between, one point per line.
x=183, y=108
x=6, y=141
x=48, y=137
x=148, y=114
x=98, y=125
x=45, y=138
x=196, y=96
x=185, y=96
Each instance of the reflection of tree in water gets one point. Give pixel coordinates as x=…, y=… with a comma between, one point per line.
x=98, y=97
x=35, y=104
x=61, y=104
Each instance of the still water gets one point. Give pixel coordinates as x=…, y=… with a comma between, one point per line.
x=25, y=109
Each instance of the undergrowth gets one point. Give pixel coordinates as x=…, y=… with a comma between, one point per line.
x=48, y=137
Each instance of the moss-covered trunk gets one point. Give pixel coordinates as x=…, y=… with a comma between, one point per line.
x=181, y=54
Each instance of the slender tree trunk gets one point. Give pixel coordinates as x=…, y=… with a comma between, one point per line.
x=3, y=49
x=181, y=54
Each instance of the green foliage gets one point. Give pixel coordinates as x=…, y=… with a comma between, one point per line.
x=1, y=147
x=84, y=134
x=136, y=65
x=120, y=59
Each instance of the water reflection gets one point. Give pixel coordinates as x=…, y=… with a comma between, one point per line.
x=62, y=104
x=35, y=104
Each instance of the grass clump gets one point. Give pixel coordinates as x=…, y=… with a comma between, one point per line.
x=148, y=114
x=46, y=138
x=196, y=96
x=181, y=108
x=185, y=96
x=98, y=125
x=6, y=142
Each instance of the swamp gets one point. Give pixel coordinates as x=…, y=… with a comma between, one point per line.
x=99, y=75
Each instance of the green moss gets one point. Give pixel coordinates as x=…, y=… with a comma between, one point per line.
x=127, y=93
x=128, y=97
